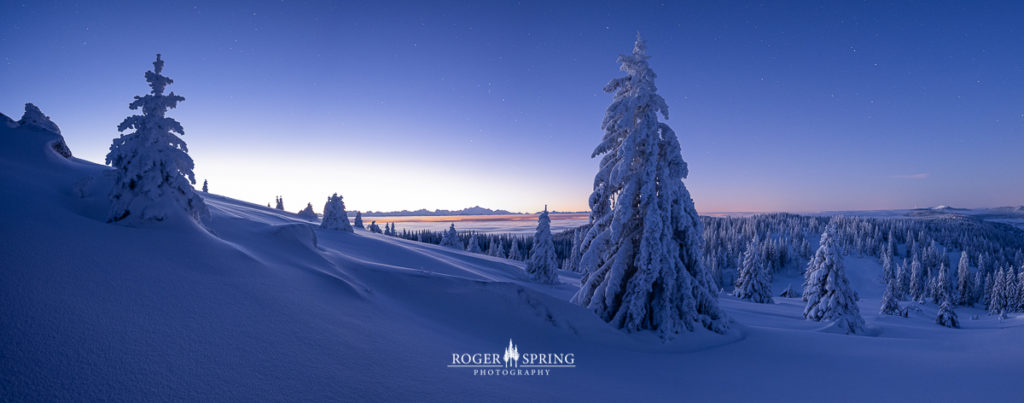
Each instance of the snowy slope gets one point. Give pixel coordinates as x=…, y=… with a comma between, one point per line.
x=266, y=306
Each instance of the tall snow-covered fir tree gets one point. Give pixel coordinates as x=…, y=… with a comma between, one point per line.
x=307, y=212
x=154, y=179
x=753, y=282
x=827, y=290
x=542, y=265
x=642, y=255
x=206, y=188
x=335, y=217
x=450, y=238
x=359, y=220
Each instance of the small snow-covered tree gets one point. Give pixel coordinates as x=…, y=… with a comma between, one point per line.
x=918, y=280
x=280, y=203
x=359, y=220
x=450, y=238
x=888, y=271
x=206, y=188
x=374, y=227
x=474, y=245
x=495, y=249
x=964, y=288
x=514, y=252
x=153, y=172
x=753, y=282
x=307, y=212
x=1019, y=306
x=947, y=316
x=1010, y=291
x=542, y=265
x=827, y=290
x=942, y=286
x=889, y=304
x=572, y=263
x=902, y=281
x=642, y=254
x=335, y=217
x=997, y=302
x=978, y=294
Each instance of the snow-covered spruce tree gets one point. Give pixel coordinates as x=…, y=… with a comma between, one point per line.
x=206, y=187
x=1009, y=291
x=572, y=263
x=827, y=290
x=374, y=227
x=997, y=302
x=753, y=282
x=978, y=293
x=359, y=220
x=280, y=203
x=153, y=172
x=307, y=212
x=918, y=280
x=902, y=281
x=888, y=272
x=514, y=252
x=495, y=249
x=990, y=284
x=947, y=316
x=35, y=118
x=335, y=217
x=450, y=238
x=474, y=245
x=942, y=286
x=1019, y=306
x=889, y=304
x=642, y=254
x=542, y=265
x=964, y=287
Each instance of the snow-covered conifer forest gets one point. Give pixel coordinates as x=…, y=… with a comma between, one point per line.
x=121, y=281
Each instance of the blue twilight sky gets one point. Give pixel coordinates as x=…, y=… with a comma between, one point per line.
x=794, y=106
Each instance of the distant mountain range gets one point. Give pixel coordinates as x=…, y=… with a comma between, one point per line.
x=475, y=210
x=1013, y=215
